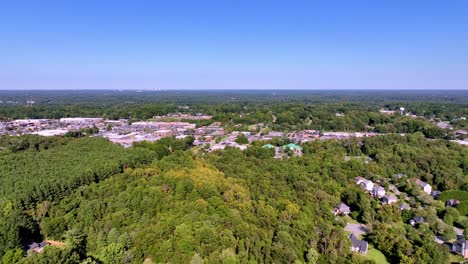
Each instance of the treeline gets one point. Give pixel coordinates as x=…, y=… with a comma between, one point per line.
x=281, y=110
x=29, y=142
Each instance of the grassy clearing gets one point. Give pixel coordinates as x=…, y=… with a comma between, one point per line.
x=376, y=255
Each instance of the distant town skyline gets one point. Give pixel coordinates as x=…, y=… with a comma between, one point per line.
x=202, y=45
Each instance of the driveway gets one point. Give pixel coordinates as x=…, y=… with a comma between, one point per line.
x=357, y=229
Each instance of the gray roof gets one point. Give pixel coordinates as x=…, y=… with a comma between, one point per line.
x=33, y=245
x=460, y=242
x=343, y=207
x=404, y=206
x=360, y=244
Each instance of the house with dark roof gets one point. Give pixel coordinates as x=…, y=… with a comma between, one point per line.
x=435, y=194
x=404, y=206
x=417, y=220
x=38, y=247
x=460, y=247
x=357, y=245
x=452, y=202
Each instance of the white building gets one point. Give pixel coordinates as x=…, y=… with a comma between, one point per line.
x=426, y=187
x=368, y=185
x=378, y=191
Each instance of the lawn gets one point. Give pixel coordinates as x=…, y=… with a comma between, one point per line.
x=376, y=255
x=455, y=258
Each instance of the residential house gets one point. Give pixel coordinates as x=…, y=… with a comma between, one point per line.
x=38, y=247
x=389, y=199
x=368, y=185
x=452, y=202
x=417, y=220
x=360, y=246
x=461, y=247
x=426, y=187
x=394, y=189
x=342, y=209
x=398, y=175
x=359, y=179
x=404, y=206
x=378, y=191
x=435, y=194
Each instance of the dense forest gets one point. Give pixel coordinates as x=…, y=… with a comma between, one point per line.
x=225, y=207
x=47, y=171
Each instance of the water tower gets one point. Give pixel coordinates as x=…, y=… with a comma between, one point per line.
x=402, y=109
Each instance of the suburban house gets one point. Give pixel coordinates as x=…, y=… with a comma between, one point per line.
x=452, y=202
x=38, y=247
x=435, y=194
x=360, y=246
x=461, y=247
x=359, y=179
x=368, y=185
x=389, y=199
x=398, y=175
x=394, y=189
x=378, y=191
x=426, y=187
x=404, y=206
x=342, y=209
x=416, y=220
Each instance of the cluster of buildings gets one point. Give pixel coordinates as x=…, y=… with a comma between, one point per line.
x=180, y=116
x=459, y=246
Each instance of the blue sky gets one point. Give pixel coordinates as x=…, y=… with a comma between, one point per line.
x=234, y=44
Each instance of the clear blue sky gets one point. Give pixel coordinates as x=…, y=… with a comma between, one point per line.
x=239, y=44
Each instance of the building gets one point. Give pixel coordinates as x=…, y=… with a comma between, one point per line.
x=81, y=120
x=273, y=134
x=404, y=206
x=341, y=209
x=435, y=194
x=378, y=191
x=389, y=199
x=368, y=185
x=386, y=112
x=163, y=133
x=360, y=246
x=426, y=187
x=417, y=220
x=460, y=247
x=295, y=148
x=398, y=175
x=452, y=202
x=38, y=247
